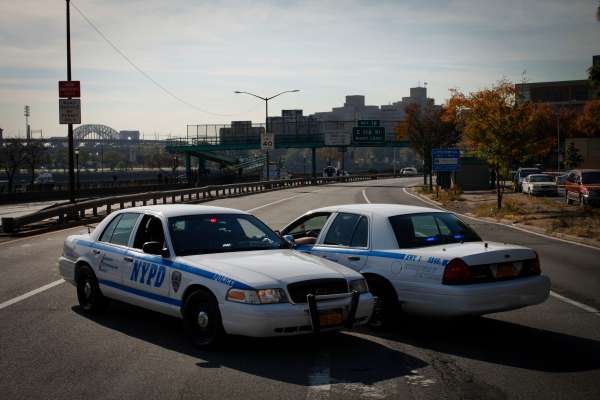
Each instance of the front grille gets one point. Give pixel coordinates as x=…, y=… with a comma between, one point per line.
x=299, y=290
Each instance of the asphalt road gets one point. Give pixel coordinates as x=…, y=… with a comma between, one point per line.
x=49, y=349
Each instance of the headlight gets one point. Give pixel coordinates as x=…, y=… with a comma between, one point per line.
x=359, y=285
x=262, y=296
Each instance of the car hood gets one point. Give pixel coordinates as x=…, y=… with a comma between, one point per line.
x=265, y=268
x=473, y=253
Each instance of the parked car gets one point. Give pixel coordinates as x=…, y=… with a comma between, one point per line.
x=539, y=185
x=560, y=184
x=422, y=260
x=521, y=174
x=221, y=270
x=582, y=187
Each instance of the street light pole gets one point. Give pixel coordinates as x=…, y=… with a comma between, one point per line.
x=266, y=100
x=70, y=131
x=77, y=164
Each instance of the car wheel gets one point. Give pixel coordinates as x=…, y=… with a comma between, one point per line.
x=568, y=201
x=386, y=311
x=90, y=297
x=202, y=319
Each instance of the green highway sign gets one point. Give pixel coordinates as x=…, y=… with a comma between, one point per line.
x=368, y=135
x=367, y=123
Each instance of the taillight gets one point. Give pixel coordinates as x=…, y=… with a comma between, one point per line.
x=456, y=272
x=532, y=267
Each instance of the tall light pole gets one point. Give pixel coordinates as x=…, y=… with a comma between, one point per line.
x=77, y=163
x=27, y=129
x=70, y=131
x=266, y=100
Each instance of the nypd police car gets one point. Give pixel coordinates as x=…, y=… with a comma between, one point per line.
x=422, y=260
x=221, y=270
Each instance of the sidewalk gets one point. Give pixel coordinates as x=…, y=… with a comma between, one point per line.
x=547, y=215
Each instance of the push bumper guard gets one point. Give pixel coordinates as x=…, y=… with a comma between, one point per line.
x=313, y=311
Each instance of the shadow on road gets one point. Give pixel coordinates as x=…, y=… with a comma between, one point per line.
x=500, y=342
x=350, y=359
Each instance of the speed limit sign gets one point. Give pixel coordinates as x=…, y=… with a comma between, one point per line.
x=267, y=141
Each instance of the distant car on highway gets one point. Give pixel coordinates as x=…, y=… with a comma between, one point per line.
x=521, y=174
x=221, y=270
x=582, y=187
x=408, y=171
x=422, y=260
x=539, y=185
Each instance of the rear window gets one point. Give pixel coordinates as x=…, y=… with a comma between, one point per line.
x=591, y=177
x=430, y=229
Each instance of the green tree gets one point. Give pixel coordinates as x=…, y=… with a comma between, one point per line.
x=12, y=159
x=572, y=157
x=501, y=128
x=427, y=130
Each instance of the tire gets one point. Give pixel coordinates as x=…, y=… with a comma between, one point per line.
x=387, y=310
x=567, y=198
x=202, y=320
x=91, y=300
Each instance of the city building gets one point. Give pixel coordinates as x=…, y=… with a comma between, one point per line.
x=572, y=94
x=129, y=135
x=293, y=122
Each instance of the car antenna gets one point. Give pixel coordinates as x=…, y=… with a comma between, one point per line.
x=486, y=245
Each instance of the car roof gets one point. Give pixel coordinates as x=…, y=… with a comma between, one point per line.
x=176, y=210
x=384, y=210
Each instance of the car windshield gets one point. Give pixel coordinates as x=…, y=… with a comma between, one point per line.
x=430, y=229
x=591, y=177
x=216, y=233
x=525, y=172
x=541, y=178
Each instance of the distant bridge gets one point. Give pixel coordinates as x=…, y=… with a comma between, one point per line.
x=96, y=132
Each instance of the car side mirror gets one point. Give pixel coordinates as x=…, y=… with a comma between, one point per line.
x=289, y=239
x=155, y=248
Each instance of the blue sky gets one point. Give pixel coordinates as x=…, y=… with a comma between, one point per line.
x=203, y=51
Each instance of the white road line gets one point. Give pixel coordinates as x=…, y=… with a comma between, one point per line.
x=319, y=378
x=31, y=293
x=501, y=224
x=575, y=303
x=279, y=201
x=553, y=294
x=365, y=196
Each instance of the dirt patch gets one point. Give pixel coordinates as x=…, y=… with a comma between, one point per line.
x=549, y=213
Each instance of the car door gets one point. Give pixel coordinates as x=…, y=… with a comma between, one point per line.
x=307, y=229
x=346, y=240
x=146, y=273
x=111, y=249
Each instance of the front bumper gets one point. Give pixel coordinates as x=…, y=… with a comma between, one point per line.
x=66, y=268
x=478, y=299
x=289, y=319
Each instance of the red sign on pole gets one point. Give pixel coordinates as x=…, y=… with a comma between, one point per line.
x=68, y=89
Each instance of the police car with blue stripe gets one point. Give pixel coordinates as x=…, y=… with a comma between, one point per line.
x=221, y=270
x=422, y=260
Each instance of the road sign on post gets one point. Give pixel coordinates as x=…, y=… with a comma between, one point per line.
x=368, y=132
x=69, y=89
x=445, y=160
x=267, y=141
x=69, y=111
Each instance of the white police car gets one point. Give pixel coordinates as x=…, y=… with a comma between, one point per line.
x=222, y=270
x=422, y=260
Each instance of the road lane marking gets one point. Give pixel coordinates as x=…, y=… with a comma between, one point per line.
x=31, y=293
x=279, y=201
x=319, y=378
x=365, y=196
x=501, y=224
x=575, y=303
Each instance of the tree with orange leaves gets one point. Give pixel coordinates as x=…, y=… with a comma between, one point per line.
x=588, y=121
x=500, y=127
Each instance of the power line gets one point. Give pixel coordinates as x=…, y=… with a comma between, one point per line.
x=141, y=71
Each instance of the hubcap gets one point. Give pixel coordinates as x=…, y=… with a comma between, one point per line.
x=202, y=319
x=87, y=289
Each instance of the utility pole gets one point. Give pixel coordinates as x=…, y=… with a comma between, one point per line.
x=27, y=128
x=70, y=132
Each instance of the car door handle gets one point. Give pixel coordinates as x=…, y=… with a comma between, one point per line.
x=128, y=259
x=353, y=258
x=96, y=251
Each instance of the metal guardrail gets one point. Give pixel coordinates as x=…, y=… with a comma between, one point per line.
x=91, y=207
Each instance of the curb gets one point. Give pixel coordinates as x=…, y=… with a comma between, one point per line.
x=523, y=227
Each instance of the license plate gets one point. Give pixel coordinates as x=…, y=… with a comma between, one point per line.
x=505, y=271
x=331, y=318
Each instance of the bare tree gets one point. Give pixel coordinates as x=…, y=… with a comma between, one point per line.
x=12, y=158
x=35, y=155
